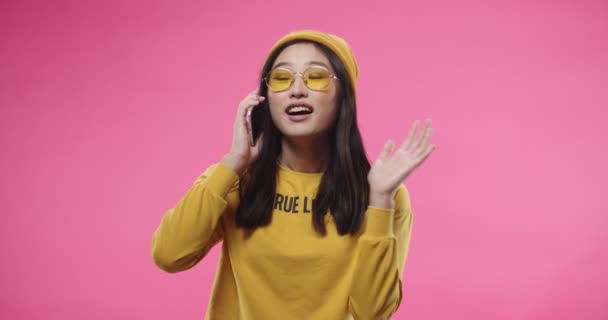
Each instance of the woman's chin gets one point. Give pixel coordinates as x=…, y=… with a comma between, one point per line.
x=293, y=135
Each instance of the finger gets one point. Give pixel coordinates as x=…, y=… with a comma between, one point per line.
x=407, y=142
x=425, y=137
x=420, y=160
x=426, y=153
x=246, y=104
x=386, y=150
x=250, y=100
x=255, y=91
x=417, y=143
x=256, y=94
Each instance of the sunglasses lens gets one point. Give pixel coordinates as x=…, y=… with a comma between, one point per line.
x=314, y=78
x=279, y=80
x=317, y=78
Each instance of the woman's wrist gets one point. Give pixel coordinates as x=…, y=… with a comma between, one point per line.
x=234, y=162
x=381, y=200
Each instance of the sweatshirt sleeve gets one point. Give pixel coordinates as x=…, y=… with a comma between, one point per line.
x=187, y=232
x=382, y=250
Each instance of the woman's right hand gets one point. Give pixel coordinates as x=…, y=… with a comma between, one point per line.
x=242, y=154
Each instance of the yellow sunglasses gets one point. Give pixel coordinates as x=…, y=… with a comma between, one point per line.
x=315, y=78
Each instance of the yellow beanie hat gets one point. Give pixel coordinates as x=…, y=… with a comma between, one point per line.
x=336, y=44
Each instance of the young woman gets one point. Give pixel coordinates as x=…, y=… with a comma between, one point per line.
x=309, y=229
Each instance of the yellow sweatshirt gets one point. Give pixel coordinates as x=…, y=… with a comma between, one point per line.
x=286, y=270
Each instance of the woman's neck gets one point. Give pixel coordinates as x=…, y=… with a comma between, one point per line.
x=305, y=155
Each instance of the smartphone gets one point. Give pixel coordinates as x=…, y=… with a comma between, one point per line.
x=254, y=125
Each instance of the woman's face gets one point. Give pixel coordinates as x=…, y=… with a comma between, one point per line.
x=299, y=111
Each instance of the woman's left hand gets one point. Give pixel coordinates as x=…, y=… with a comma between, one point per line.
x=391, y=168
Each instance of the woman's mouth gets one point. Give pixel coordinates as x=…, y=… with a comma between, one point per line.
x=298, y=109
x=299, y=112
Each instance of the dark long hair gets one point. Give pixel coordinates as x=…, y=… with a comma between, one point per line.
x=344, y=189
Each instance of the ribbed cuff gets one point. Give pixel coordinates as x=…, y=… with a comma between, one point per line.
x=379, y=222
x=221, y=180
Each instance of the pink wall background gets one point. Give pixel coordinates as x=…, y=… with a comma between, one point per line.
x=110, y=109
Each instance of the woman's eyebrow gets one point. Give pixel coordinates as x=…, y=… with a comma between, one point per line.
x=281, y=64
x=318, y=63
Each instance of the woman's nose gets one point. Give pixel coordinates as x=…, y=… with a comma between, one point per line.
x=299, y=89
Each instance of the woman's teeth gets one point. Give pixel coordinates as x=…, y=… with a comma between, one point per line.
x=299, y=110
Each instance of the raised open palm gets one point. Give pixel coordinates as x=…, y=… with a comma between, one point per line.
x=391, y=168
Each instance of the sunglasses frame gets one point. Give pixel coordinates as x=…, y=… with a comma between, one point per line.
x=293, y=78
